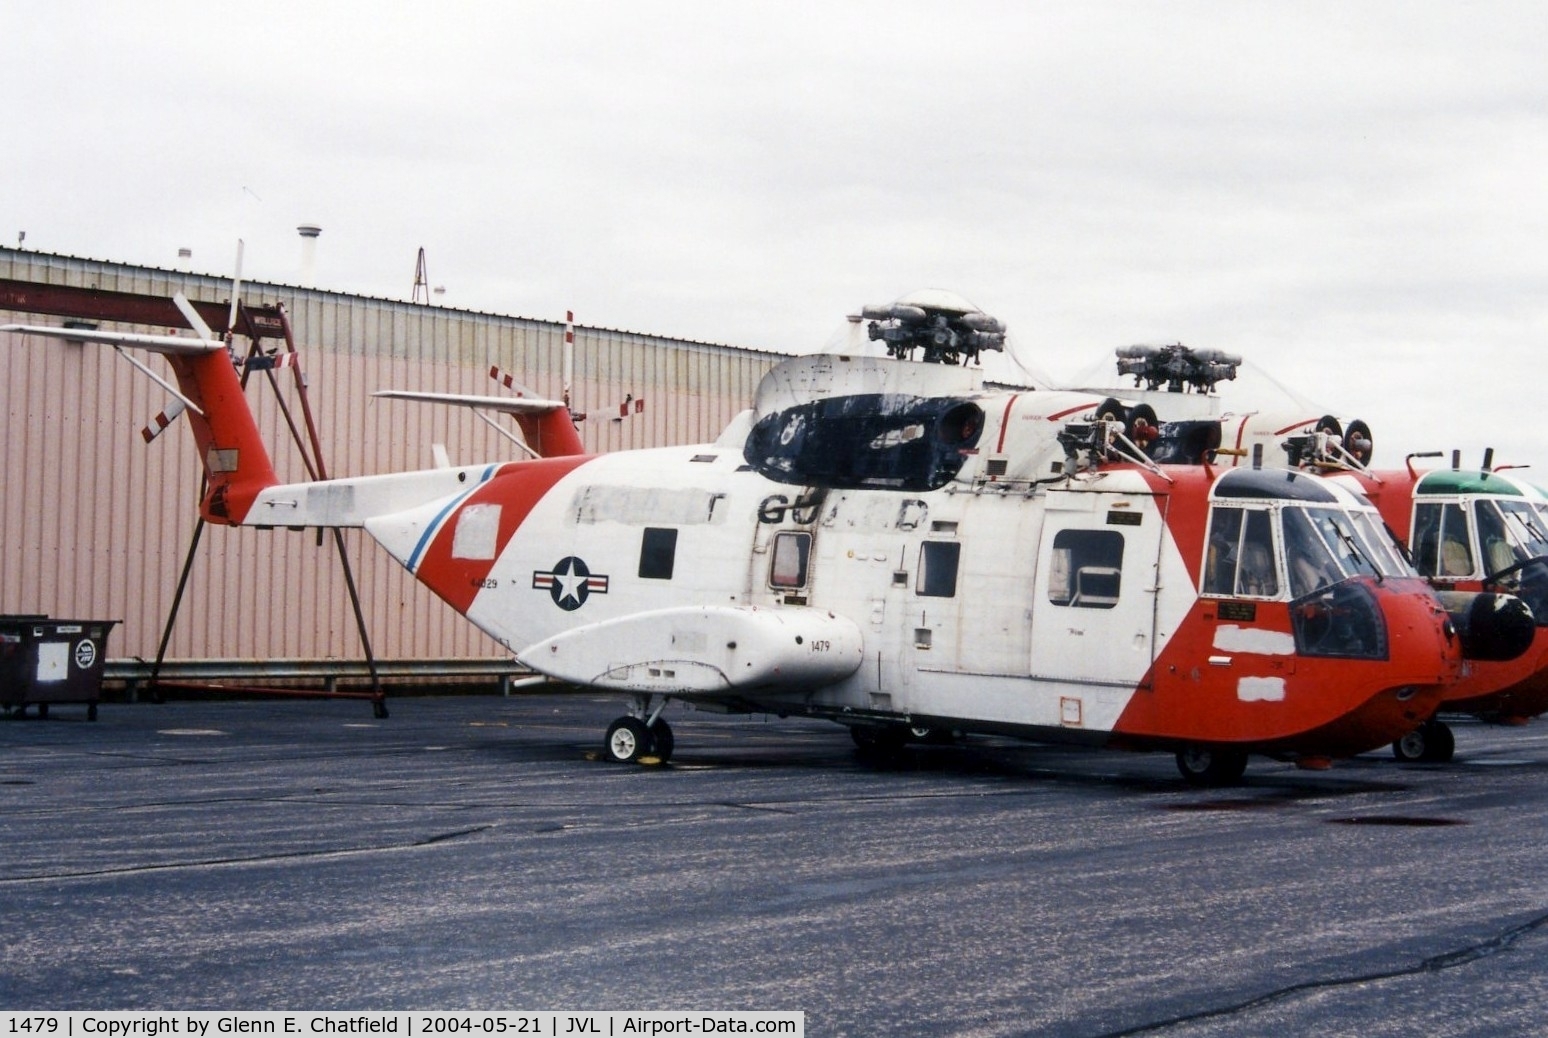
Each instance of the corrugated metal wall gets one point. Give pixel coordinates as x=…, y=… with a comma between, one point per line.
x=94, y=523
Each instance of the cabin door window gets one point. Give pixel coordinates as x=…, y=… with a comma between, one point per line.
x=1086, y=570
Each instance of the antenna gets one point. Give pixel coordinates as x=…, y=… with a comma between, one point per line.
x=421, y=280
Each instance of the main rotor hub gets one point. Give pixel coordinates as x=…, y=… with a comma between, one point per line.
x=946, y=327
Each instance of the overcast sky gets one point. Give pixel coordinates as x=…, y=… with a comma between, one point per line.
x=1354, y=196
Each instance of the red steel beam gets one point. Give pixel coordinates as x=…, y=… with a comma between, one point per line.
x=95, y=304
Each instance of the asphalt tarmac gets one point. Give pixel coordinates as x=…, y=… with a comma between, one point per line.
x=465, y=853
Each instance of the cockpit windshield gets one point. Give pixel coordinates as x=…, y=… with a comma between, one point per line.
x=1325, y=539
x=1311, y=562
x=1513, y=545
x=1326, y=545
x=1382, y=546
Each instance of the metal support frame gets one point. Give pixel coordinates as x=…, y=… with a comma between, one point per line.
x=317, y=469
x=256, y=323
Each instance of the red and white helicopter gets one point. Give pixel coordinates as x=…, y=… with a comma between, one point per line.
x=895, y=547
x=1472, y=530
x=1466, y=530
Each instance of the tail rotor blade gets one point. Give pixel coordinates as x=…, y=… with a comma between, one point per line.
x=192, y=316
x=165, y=418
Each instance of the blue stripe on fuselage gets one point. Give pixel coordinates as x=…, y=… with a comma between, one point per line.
x=440, y=519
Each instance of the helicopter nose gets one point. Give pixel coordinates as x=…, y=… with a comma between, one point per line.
x=1490, y=626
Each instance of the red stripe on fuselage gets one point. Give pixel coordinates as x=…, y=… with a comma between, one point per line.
x=1184, y=502
x=1072, y=410
x=1005, y=422
x=517, y=488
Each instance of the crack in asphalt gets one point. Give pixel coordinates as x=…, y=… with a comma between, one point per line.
x=1434, y=964
x=204, y=863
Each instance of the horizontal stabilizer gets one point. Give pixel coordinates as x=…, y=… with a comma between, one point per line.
x=177, y=344
x=508, y=405
x=704, y=650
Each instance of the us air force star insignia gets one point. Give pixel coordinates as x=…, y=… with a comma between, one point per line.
x=569, y=583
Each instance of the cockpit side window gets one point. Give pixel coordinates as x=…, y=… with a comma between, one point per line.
x=1441, y=545
x=1225, y=533
x=1494, y=542
x=1256, y=575
x=1240, y=556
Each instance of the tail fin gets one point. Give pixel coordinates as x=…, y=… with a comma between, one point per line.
x=546, y=424
x=236, y=462
x=230, y=447
x=551, y=433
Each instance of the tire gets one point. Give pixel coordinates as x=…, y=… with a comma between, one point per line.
x=1211, y=766
x=662, y=742
x=1410, y=749
x=879, y=739
x=627, y=740
x=1430, y=743
x=1441, y=743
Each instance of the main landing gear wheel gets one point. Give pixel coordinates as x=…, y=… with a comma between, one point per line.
x=1430, y=743
x=662, y=741
x=1211, y=765
x=628, y=739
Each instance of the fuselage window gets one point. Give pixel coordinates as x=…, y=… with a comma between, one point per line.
x=938, y=568
x=658, y=553
x=787, y=568
x=1240, y=559
x=1086, y=568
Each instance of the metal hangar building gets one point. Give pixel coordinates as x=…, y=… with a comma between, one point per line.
x=98, y=522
